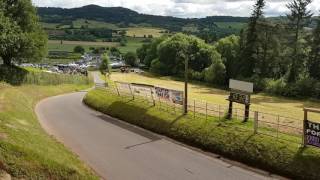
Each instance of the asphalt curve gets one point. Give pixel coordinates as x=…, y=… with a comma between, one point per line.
x=119, y=151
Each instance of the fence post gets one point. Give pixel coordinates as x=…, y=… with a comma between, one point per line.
x=153, y=101
x=117, y=89
x=305, y=119
x=255, y=123
x=206, y=110
x=278, y=124
x=219, y=112
x=194, y=109
x=132, y=93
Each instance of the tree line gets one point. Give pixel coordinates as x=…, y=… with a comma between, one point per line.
x=279, y=57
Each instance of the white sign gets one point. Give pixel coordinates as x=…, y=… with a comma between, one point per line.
x=241, y=86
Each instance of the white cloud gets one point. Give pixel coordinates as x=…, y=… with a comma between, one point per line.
x=183, y=8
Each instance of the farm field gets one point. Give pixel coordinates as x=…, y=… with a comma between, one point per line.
x=143, y=31
x=234, y=25
x=93, y=24
x=260, y=102
x=55, y=45
x=132, y=45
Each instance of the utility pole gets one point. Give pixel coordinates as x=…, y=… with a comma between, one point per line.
x=186, y=84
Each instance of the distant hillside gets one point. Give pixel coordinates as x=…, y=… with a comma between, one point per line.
x=125, y=17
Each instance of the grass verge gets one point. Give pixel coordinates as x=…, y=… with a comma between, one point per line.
x=26, y=150
x=229, y=138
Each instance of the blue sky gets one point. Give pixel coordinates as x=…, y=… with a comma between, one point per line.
x=183, y=8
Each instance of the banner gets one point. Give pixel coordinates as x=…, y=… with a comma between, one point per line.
x=142, y=89
x=312, y=133
x=123, y=87
x=173, y=96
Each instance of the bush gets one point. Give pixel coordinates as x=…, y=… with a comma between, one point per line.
x=216, y=73
x=131, y=59
x=79, y=49
x=158, y=67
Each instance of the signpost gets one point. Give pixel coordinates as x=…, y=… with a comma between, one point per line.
x=240, y=93
x=311, y=130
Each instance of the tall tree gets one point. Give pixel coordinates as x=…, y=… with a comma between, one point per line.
x=249, y=54
x=314, y=61
x=299, y=18
x=22, y=38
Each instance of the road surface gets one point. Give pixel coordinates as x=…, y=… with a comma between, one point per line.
x=119, y=151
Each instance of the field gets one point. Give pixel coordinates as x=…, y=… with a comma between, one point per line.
x=55, y=45
x=143, y=31
x=132, y=45
x=260, y=102
x=93, y=24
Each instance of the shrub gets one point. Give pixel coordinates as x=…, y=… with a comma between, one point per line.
x=79, y=49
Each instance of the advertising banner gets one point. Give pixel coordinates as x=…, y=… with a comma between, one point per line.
x=173, y=96
x=142, y=89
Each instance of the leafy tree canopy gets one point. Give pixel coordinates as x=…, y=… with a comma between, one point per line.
x=22, y=38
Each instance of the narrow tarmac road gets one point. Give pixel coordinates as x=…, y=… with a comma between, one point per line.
x=119, y=151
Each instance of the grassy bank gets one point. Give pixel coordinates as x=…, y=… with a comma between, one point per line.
x=17, y=76
x=26, y=150
x=229, y=138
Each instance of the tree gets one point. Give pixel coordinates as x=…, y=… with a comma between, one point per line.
x=314, y=60
x=299, y=17
x=173, y=51
x=115, y=52
x=130, y=58
x=105, y=64
x=22, y=38
x=229, y=48
x=79, y=49
x=216, y=72
x=249, y=54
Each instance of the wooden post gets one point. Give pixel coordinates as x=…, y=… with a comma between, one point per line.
x=219, y=112
x=246, y=113
x=117, y=89
x=305, y=119
x=194, y=109
x=230, y=110
x=206, y=110
x=255, y=125
x=154, y=102
x=132, y=93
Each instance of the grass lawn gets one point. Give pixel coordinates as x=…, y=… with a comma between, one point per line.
x=55, y=45
x=260, y=102
x=26, y=150
x=229, y=138
x=132, y=45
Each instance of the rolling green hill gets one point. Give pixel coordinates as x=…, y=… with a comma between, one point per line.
x=118, y=18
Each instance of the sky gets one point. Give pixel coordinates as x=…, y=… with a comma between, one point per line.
x=183, y=8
